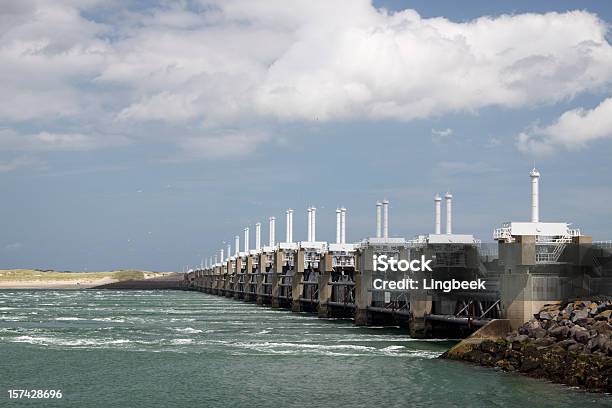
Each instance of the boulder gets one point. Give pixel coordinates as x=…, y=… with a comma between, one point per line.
x=559, y=332
x=579, y=314
x=545, y=341
x=505, y=365
x=581, y=336
x=546, y=316
x=566, y=343
x=489, y=346
x=576, y=348
x=600, y=343
x=604, y=315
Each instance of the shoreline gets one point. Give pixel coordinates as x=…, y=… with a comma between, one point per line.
x=50, y=279
x=568, y=343
x=56, y=284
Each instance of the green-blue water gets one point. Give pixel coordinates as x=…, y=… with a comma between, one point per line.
x=187, y=349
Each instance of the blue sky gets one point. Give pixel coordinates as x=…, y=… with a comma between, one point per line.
x=140, y=135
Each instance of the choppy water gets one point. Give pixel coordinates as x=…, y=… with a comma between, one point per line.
x=182, y=349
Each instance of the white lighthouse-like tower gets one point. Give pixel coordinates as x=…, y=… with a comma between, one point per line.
x=535, y=195
x=549, y=237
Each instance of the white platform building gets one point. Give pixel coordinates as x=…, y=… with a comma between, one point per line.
x=550, y=238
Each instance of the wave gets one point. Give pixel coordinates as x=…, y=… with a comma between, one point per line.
x=182, y=341
x=109, y=319
x=58, y=341
x=190, y=330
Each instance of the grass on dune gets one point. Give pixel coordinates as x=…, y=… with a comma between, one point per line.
x=38, y=275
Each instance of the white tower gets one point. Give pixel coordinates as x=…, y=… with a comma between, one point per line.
x=385, y=205
x=343, y=225
x=289, y=225
x=449, y=213
x=338, y=225
x=309, y=225
x=378, y=220
x=237, y=244
x=272, y=240
x=314, y=223
x=535, y=195
x=437, y=214
x=258, y=236
x=246, y=239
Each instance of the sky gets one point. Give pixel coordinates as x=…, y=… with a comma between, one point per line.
x=141, y=134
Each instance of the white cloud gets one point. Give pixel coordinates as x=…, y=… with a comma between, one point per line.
x=19, y=163
x=50, y=142
x=239, y=61
x=442, y=133
x=572, y=130
x=222, y=146
x=13, y=246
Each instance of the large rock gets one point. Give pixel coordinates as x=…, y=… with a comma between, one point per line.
x=579, y=314
x=580, y=335
x=559, y=332
x=604, y=315
x=569, y=343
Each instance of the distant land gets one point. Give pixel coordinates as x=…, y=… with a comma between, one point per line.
x=50, y=279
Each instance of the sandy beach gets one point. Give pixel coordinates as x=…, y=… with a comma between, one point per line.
x=36, y=279
x=56, y=284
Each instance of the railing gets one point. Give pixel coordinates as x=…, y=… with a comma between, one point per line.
x=503, y=233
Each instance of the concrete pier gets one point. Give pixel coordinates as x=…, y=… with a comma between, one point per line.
x=531, y=264
x=337, y=281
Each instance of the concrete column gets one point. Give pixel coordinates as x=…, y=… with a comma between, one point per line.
x=216, y=279
x=260, y=278
x=229, y=276
x=297, y=283
x=325, y=289
x=420, y=302
x=527, y=245
x=277, y=270
x=238, y=268
x=248, y=276
x=363, y=284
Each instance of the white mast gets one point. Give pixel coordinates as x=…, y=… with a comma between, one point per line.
x=437, y=213
x=535, y=195
x=385, y=205
x=272, y=239
x=338, y=225
x=449, y=213
x=258, y=236
x=246, y=239
x=378, y=220
x=343, y=222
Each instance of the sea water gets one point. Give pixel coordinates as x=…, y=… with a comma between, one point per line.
x=188, y=349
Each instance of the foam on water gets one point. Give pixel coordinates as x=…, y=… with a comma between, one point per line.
x=221, y=339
